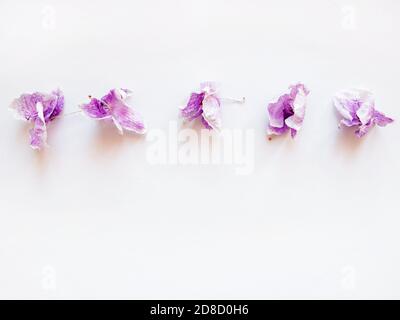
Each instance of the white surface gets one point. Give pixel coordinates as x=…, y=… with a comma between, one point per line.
x=91, y=218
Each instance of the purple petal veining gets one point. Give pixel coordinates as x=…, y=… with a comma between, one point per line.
x=113, y=106
x=288, y=112
x=38, y=134
x=40, y=109
x=357, y=109
x=194, y=106
x=205, y=105
x=96, y=109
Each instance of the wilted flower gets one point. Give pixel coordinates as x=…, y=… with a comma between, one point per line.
x=205, y=105
x=113, y=106
x=40, y=109
x=357, y=107
x=288, y=112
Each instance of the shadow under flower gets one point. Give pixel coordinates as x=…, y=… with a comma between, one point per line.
x=107, y=140
x=347, y=142
x=42, y=159
x=194, y=125
x=282, y=143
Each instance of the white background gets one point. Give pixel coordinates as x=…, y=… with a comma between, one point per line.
x=91, y=218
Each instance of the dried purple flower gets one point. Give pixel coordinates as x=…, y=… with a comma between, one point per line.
x=357, y=107
x=113, y=106
x=40, y=109
x=205, y=105
x=288, y=112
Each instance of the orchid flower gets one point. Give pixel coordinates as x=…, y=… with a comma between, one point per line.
x=357, y=108
x=288, y=112
x=114, y=106
x=40, y=109
x=205, y=105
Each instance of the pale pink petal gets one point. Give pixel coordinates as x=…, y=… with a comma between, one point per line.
x=357, y=107
x=212, y=112
x=209, y=87
x=38, y=134
x=126, y=118
x=381, y=120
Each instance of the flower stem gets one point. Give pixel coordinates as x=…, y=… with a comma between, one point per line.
x=243, y=100
x=72, y=113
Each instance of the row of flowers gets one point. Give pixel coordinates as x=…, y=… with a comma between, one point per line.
x=356, y=108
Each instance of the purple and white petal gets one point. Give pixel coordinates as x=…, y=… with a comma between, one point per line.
x=123, y=115
x=366, y=106
x=343, y=106
x=96, y=109
x=126, y=118
x=193, y=109
x=380, y=119
x=40, y=109
x=276, y=112
x=357, y=108
x=350, y=123
x=363, y=129
x=205, y=105
x=25, y=106
x=299, y=103
x=276, y=130
x=209, y=88
x=294, y=122
x=38, y=134
x=53, y=105
x=212, y=112
x=113, y=106
x=288, y=112
x=299, y=93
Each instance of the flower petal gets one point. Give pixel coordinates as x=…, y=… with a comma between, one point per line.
x=53, y=105
x=96, y=109
x=39, y=108
x=193, y=108
x=363, y=129
x=289, y=111
x=365, y=111
x=38, y=134
x=344, y=105
x=276, y=131
x=276, y=111
x=212, y=112
x=124, y=116
x=350, y=123
x=25, y=106
x=357, y=107
x=205, y=124
x=209, y=87
x=113, y=106
x=300, y=93
x=294, y=122
x=381, y=120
